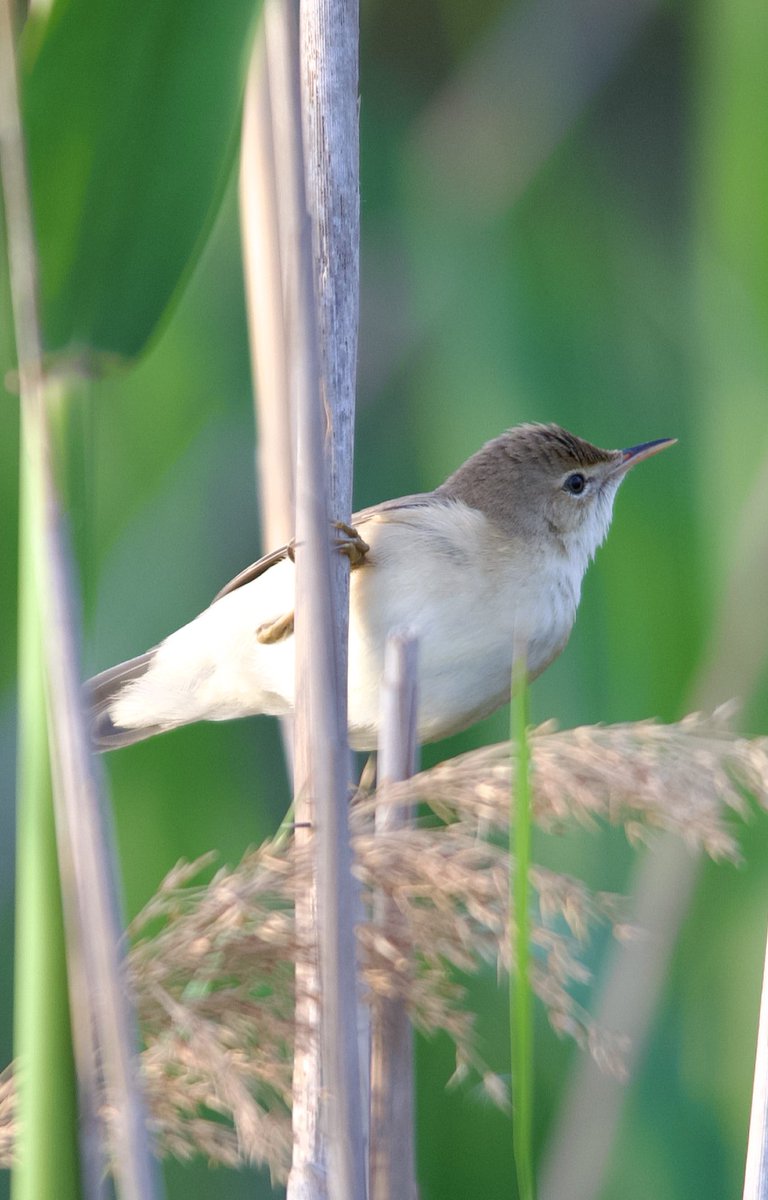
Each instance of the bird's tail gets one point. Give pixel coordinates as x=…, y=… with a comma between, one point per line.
x=101, y=693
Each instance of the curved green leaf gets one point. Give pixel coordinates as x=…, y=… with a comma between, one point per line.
x=132, y=114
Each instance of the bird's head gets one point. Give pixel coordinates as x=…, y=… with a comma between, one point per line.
x=547, y=486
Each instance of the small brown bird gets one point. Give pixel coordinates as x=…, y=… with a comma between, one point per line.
x=492, y=560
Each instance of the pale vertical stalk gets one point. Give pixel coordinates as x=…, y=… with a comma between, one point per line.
x=322, y=757
x=520, y=988
x=92, y=928
x=756, y=1175
x=265, y=306
x=329, y=78
x=260, y=225
x=329, y=37
x=392, y=1155
x=85, y=843
x=308, y=1176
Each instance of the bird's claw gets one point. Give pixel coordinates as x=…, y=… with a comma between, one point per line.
x=351, y=543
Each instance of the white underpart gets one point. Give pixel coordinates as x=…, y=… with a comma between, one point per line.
x=468, y=608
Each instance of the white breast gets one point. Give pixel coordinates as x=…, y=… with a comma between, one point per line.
x=470, y=597
x=442, y=571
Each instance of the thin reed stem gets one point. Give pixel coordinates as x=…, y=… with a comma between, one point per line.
x=520, y=991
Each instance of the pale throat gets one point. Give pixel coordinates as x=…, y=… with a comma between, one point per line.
x=583, y=541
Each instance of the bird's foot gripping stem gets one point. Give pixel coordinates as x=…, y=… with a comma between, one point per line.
x=351, y=544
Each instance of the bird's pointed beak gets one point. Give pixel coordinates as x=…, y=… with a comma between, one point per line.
x=636, y=454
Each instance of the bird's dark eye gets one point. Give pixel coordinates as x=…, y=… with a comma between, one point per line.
x=575, y=483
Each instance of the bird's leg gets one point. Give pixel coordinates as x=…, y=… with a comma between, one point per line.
x=275, y=631
x=351, y=544
x=368, y=774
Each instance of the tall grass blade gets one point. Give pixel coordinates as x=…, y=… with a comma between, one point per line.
x=56, y=737
x=327, y=1104
x=47, y=1100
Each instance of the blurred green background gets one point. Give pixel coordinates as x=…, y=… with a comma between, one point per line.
x=563, y=220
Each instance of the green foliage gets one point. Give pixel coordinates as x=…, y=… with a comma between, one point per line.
x=618, y=290
x=132, y=115
x=42, y=1035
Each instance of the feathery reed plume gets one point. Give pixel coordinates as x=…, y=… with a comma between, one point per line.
x=212, y=966
x=643, y=776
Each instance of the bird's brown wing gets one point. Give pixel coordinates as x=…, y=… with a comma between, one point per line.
x=248, y=574
x=419, y=500
x=359, y=518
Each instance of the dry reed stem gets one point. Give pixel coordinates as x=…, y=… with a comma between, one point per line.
x=212, y=966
